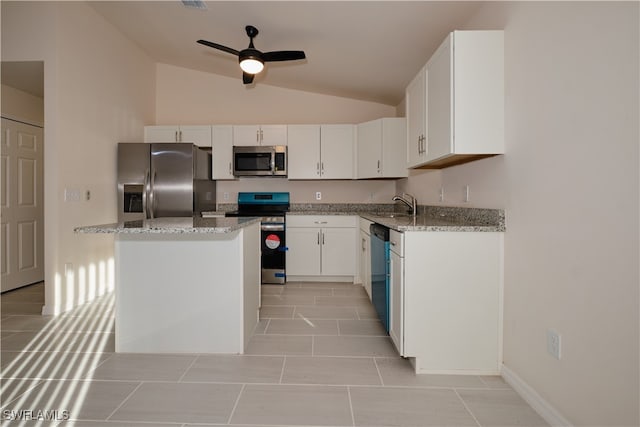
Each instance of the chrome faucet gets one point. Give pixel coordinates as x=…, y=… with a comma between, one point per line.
x=412, y=203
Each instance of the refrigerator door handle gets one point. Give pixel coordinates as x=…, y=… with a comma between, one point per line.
x=146, y=194
x=153, y=202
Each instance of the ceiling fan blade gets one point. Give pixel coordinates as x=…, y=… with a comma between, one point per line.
x=247, y=78
x=283, y=55
x=219, y=47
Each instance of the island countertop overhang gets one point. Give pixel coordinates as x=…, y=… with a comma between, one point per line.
x=173, y=225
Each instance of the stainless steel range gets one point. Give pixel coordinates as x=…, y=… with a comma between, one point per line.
x=271, y=207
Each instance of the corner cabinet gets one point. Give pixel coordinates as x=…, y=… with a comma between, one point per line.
x=321, y=247
x=460, y=118
x=446, y=300
x=199, y=135
x=382, y=146
x=320, y=151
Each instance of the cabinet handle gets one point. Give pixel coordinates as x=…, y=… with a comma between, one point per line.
x=318, y=237
x=261, y=136
x=364, y=245
x=392, y=243
x=230, y=171
x=322, y=237
x=318, y=168
x=322, y=166
x=175, y=138
x=320, y=222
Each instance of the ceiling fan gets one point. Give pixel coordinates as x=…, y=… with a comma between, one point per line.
x=252, y=60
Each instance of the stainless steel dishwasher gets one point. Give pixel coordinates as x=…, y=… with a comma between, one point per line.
x=380, y=270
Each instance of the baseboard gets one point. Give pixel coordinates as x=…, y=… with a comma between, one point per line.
x=540, y=405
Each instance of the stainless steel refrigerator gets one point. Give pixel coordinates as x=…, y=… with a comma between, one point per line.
x=164, y=180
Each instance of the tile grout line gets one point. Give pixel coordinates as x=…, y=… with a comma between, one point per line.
x=375, y=362
x=195, y=359
x=235, y=405
x=466, y=407
x=284, y=362
x=353, y=417
x=124, y=401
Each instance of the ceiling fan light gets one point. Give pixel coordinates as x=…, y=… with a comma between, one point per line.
x=251, y=65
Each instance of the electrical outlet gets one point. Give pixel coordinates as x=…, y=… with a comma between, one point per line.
x=441, y=196
x=72, y=195
x=226, y=195
x=466, y=193
x=554, y=343
x=318, y=195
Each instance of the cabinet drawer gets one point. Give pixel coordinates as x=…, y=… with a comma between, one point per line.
x=396, y=241
x=322, y=221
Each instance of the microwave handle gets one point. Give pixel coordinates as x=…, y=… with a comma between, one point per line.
x=273, y=161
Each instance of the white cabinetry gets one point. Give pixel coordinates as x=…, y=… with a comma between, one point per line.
x=222, y=151
x=260, y=135
x=416, y=101
x=320, y=151
x=446, y=300
x=464, y=109
x=199, y=135
x=365, y=255
x=321, y=247
x=382, y=148
x=396, y=291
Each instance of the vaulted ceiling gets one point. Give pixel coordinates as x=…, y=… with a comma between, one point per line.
x=358, y=49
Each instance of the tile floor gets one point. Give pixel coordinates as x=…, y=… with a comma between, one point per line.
x=319, y=358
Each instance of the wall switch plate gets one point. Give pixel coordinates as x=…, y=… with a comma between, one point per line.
x=318, y=195
x=554, y=344
x=226, y=195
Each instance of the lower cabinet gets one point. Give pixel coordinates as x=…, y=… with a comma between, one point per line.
x=365, y=255
x=446, y=301
x=396, y=290
x=321, y=247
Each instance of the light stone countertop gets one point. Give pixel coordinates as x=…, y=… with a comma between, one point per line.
x=177, y=225
x=429, y=218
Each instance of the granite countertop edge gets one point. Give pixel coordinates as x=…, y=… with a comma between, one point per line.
x=171, y=226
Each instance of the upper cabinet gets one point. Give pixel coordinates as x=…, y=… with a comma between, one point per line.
x=222, y=149
x=320, y=151
x=382, y=148
x=199, y=135
x=260, y=135
x=460, y=117
x=416, y=101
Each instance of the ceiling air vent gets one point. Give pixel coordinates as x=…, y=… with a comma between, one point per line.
x=195, y=4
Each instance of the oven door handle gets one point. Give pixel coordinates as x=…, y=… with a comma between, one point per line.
x=272, y=227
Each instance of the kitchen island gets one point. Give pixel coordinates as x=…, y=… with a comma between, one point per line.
x=185, y=285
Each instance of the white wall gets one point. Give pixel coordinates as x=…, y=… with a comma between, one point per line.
x=99, y=89
x=21, y=106
x=192, y=97
x=569, y=183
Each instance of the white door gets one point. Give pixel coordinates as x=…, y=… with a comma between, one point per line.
x=246, y=135
x=338, y=251
x=222, y=151
x=337, y=151
x=416, y=95
x=198, y=135
x=303, y=156
x=161, y=134
x=439, y=103
x=273, y=135
x=22, y=225
x=303, y=254
x=370, y=149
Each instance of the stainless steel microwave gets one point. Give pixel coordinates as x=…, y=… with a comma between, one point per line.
x=258, y=160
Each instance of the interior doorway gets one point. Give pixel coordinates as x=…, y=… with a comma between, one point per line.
x=22, y=176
